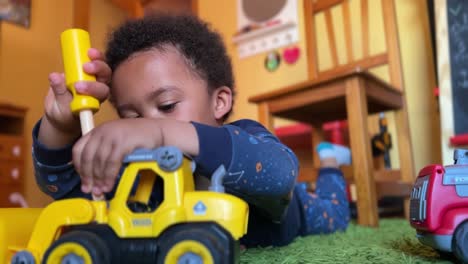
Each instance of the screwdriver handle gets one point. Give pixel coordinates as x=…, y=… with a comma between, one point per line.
x=75, y=46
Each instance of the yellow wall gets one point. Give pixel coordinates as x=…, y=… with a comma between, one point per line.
x=28, y=55
x=419, y=74
x=416, y=54
x=103, y=18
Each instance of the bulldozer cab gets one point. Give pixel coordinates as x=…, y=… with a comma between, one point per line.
x=147, y=193
x=151, y=187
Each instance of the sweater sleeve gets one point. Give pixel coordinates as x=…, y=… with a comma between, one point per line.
x=54, y=171
x=260, y=169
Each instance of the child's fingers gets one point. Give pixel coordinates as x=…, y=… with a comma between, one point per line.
x=100, y=69
x=57, y=83
x=112, y=167
x=86, y=187
x=106, y=187
x=98, y=192
x=100, y=162
x=95, y=54
x=88, y=159
x=86, y=178
x=97, y=90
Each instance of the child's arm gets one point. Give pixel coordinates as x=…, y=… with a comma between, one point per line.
x=58, y=129
x=261, y=170
x=54, y=173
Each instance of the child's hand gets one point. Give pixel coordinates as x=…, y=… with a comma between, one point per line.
x=57, y=102
x=98, y=155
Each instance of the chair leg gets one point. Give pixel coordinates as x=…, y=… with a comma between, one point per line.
x=405, y=150
x=265, y=117
x=356, y=106
x=316, y=138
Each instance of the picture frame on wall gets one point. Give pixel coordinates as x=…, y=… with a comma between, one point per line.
x=265, y=25
x=16, y=11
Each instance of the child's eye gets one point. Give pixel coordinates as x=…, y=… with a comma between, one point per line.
x=129, y=114
x=132, y=116
x=167, y=108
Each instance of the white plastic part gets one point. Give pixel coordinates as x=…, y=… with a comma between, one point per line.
x=87, y=121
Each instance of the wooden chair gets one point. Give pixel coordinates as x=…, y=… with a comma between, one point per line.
x=349, y=91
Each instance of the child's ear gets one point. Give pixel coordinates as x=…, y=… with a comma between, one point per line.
x=222, y=101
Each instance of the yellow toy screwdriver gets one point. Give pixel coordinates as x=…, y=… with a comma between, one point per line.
x=75, y=45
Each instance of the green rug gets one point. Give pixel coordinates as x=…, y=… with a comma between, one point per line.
x=393, y=242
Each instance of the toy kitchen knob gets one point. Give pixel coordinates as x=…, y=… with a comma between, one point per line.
x=15, y=173
x=16, y=151
x=17, y=198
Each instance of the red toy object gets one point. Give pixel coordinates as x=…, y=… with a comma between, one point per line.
x=439, y=206
x=299, y=135
x=336, y=132
x=295, y=136
x=459, y=140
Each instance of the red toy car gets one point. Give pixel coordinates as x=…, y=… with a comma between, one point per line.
x=439, y=206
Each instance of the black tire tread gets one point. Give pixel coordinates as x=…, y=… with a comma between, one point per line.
x=96, y=246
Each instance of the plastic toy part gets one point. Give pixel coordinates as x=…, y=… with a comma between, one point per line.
x=460, y=156
x=217, y=180
x=205, y=243
x=459, y=140
x=168, y=158
x=75, y=46
x=78, y=247
x=23, y=257
x=16, y=225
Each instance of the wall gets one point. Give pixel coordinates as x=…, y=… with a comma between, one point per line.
x=416, y=59
x=27, y=56
x=419, y=74
x=104, y=17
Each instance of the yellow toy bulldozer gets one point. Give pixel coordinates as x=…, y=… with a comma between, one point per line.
x=180, y=225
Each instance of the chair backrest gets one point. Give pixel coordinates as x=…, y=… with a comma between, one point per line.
x=390, y=57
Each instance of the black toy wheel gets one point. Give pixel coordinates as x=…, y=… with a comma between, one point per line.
x=444, y=255
x=460, y=243
x=78, y=247
x=195, y=244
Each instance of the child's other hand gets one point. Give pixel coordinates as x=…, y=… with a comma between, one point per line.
x=57, y=102
x=98, y=156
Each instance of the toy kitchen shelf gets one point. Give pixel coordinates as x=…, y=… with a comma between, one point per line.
x=266, y=38
x=12, y=155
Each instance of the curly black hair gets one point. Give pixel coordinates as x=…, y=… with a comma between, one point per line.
x=202, y=47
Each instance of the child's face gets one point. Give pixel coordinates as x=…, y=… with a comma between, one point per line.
x=159, y=84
